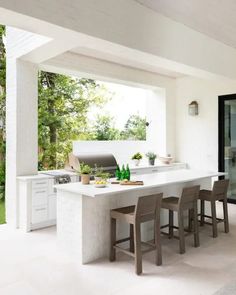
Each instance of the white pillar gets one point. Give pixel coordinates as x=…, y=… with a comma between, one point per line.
x=21, y=129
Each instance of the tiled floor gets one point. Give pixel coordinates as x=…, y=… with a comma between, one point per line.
x=34, y=264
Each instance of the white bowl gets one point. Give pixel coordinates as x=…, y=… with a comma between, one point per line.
x=100, y=185
x=166, y=160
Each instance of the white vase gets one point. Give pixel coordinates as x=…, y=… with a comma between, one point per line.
x=136, y=162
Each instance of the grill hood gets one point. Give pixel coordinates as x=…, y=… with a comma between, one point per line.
x=105, y=160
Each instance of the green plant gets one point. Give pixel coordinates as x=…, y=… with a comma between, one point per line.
x=99, y=172
x=151, y=155
x=137, y=156
x=84, y=169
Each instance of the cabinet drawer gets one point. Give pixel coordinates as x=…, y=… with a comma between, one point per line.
x=39, y=214
x=37, y=184
x=39, y=197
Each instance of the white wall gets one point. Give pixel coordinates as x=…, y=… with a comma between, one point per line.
x=197, y=137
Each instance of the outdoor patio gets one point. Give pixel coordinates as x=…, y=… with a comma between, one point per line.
x=33, y=264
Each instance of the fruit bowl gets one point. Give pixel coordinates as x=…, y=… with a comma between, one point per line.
x=100, y=183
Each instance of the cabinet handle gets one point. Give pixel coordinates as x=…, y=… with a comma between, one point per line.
x=40, y=209
x=44, y=182
x=40, y=192
x=155, y=170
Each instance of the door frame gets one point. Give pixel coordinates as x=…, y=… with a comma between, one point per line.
x=221, y=132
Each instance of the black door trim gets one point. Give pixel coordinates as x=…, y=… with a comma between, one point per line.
x=221, y=131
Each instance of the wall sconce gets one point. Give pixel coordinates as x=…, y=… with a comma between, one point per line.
x=193, y=108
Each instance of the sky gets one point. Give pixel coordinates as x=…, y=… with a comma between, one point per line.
x=126, y=101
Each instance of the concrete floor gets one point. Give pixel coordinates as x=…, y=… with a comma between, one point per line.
x=34, y=264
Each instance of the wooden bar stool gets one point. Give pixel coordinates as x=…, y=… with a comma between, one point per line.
x=218, y=193
x=187, y=201
x=147, y=208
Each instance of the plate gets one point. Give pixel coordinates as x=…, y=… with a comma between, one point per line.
x=100, y=185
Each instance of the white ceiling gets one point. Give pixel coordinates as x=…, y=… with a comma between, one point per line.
x=126, y=61
x=215, y=18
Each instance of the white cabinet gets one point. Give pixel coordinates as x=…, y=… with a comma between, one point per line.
x=37, y=201
x=154, y=169
x=52, y=207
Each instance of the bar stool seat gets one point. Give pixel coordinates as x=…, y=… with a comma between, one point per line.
x=124, y=214
x=187, y=201
x=147, y=208
x=170, y=203
x=205, y=195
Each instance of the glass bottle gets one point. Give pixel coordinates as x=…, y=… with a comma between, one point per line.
x=118, y=173
x=123, y=173
x=127, y=172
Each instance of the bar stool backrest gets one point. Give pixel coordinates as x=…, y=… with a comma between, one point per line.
x=189, y=195
x=220, y=188
x=148, y=207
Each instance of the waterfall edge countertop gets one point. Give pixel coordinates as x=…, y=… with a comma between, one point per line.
x=150, y=181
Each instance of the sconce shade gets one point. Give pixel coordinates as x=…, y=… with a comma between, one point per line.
x=193, y=108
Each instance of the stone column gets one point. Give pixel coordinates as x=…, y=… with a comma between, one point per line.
x=21, y=129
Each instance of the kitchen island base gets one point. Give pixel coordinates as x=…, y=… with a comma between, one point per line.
x=83, y=222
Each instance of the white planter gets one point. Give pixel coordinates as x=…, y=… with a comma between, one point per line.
x=136, y=162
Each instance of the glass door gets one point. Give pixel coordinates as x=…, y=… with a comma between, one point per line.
x=227, y=141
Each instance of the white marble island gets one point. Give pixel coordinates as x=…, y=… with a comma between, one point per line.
x=83, y=221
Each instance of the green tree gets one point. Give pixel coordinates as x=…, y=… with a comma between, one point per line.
x=135, y=128
x=64, y=103
x=2, y=92
x=2, y=114
x=104, y=128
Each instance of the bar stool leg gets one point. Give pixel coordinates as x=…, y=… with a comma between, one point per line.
x=190, y=220
x=113, y=240
x=196, y=227
x=158, y=241
x=214, y=221
x=181, y=232
x=171, y=224
x=137, y=247
x=202, y=221
x=226, y=217
x=131, y=234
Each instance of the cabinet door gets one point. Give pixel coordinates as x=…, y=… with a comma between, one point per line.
x=39, y=214
x=39, y=196
x=52, y=207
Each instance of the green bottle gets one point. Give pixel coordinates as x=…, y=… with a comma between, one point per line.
x=118, y=173
x=123, y=173
x=127, y=172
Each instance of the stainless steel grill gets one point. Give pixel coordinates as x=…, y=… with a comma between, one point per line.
x=106, y=161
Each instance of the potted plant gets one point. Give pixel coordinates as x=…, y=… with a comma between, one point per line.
x=85, y=172
x=99, y=174
x=151, y=158
x=136, y=158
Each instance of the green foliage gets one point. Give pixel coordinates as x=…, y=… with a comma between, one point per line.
x=135, y=128
x=137, y=156
x=84, y=169
x=151, y=155
x=99, y=172
x=64, y=103
x=2, y=122
x=104, y=128
x=2, y=211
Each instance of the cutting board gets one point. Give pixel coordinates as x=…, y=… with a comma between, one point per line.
x=128, y=182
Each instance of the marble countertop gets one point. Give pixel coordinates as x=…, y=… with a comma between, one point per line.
x=157, y=165
x=150, y=181
x=41, y=175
